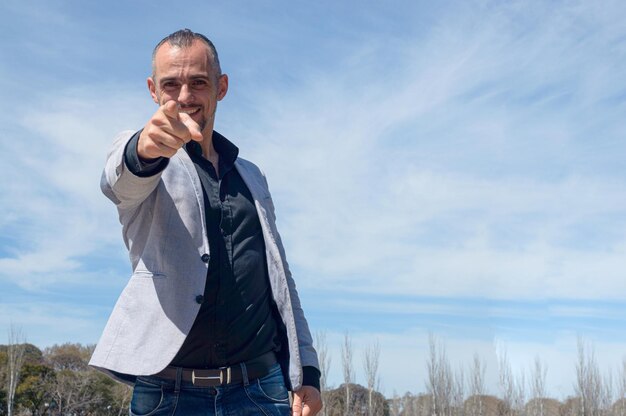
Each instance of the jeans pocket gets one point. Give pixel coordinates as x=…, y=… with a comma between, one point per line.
x=272, y=386
x=147, y=398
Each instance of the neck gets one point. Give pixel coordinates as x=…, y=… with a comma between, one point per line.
x=208, y=151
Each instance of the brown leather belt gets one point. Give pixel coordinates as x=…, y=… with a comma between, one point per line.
x=255, y=368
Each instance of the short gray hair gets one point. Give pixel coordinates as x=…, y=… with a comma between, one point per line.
x=184, y=38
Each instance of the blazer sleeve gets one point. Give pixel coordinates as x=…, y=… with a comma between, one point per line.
x=118, y=183
x=308, y=355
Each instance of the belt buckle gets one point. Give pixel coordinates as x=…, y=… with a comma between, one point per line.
x=194, y=377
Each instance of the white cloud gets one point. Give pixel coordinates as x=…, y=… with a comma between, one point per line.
x=461, y=168
x=57, y=202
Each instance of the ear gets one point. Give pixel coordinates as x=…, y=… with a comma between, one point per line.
x=222, y=86
x=152, y=88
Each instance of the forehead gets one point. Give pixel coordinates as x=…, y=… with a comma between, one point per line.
x=172, y=59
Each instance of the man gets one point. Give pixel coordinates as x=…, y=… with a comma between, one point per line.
x=210, y=321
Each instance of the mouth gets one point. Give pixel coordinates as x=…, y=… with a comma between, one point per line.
x=190, y=111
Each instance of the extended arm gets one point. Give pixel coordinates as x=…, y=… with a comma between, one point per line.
x=127, y=179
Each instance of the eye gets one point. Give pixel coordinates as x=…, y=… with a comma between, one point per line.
x=169, y=85
x=199, y=84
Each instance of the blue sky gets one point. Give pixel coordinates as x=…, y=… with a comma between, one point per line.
x=453, y=168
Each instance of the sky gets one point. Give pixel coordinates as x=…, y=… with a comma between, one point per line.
x=453, y=168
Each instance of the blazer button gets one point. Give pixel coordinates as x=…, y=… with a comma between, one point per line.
x=205, y=258
x=199, y=299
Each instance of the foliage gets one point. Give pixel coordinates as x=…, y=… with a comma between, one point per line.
x=359, y=398
x=58, y=381
x=33, y=391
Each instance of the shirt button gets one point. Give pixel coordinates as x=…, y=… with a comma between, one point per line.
x=205, y=258
x=199, y=299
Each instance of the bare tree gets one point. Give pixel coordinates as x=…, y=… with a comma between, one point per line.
x=15, y=361
x=606, y=393
x=588, y=385
x=477, y=385
x=348, y=370
x=538, y=387
x=395, y=406
x=432, y=370
x=440, y=383
x=620, y=406
x=410, y=405
x=324, y=359
x=78, y=389
x=507, y=382
x=458, y=392
x=519, y=393
x=370, y=366
x=75, y=392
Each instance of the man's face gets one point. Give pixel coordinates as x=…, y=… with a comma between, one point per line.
x=187, y=76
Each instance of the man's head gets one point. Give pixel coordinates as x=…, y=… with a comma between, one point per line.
x=183, y=39
x=186, y=69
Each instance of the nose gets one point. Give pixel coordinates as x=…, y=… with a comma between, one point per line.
x=185, y=96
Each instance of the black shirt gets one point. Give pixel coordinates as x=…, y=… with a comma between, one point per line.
x=235, y=322
x=236, y=319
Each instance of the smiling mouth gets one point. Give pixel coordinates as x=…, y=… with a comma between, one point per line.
x=190, y=111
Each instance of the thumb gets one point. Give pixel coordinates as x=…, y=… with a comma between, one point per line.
x=297, y=405
x=194, y=128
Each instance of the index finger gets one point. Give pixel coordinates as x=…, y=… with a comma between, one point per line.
x=194, y=129
x=180, y=124
x=171, y=109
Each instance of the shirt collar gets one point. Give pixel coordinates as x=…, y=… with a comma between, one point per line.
x=225, y=148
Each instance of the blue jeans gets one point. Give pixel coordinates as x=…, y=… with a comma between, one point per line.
x=267, y=395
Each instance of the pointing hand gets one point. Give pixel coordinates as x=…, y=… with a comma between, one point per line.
x=166, y=132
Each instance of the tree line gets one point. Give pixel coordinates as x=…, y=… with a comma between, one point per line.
x=57, y=381
x=462, y=391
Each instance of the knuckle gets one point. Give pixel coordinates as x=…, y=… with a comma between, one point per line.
x=151, y=134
